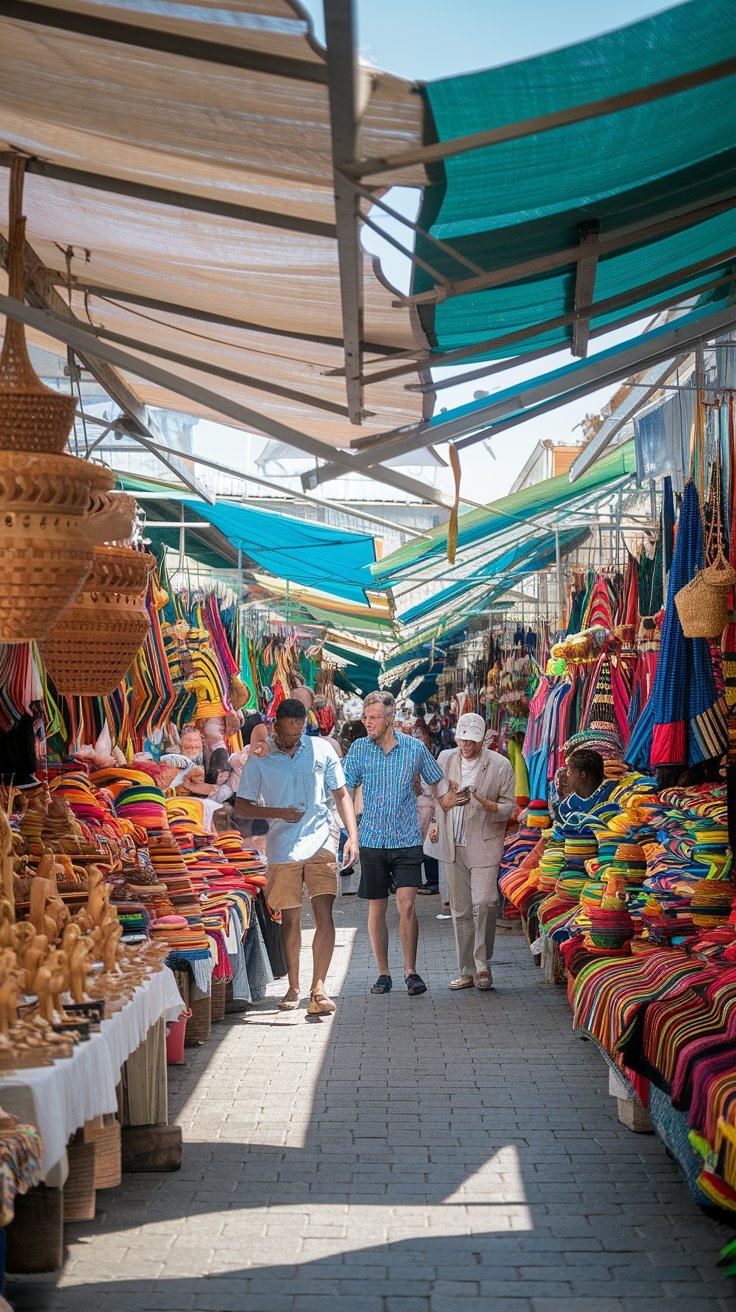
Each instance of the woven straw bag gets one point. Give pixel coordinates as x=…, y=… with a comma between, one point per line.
x=701, y=608
x=701, y=604
x=720, y=574
x=96, y=640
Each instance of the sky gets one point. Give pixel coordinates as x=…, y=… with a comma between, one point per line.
x=427, y=39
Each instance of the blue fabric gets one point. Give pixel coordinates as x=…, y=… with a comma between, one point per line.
x=640, y=743
x=662, y=440
x=689, y=724
x=311, y=554
x=306, y=781
x=390, y=815
x=257, y=964
x=511, y=201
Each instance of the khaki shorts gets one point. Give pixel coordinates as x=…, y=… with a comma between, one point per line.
x=285, y=881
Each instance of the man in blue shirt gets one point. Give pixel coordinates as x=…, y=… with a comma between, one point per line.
x=387, y=763
x=293, y=786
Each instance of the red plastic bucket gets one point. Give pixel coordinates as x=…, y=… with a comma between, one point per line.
x=175, y=1035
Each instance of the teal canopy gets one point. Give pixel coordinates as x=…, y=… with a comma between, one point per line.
x=313, y=554
x=648, y=185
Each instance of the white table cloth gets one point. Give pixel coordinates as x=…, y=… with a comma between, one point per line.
x=59, y=1099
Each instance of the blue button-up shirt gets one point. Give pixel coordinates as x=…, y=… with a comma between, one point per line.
x=390, y=816
x=306, y=781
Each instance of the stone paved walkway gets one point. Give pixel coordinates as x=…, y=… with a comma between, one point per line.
x=441, y=1154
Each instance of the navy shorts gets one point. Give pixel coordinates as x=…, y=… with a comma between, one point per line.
x=384, y=869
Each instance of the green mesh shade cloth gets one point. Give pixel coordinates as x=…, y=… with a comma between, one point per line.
x=495, y=523
x=526, y=557
x=520, y=200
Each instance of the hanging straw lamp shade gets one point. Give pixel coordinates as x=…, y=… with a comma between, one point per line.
x=45, y=496
x=97, y=638
x=45, y=554
x=33, y=417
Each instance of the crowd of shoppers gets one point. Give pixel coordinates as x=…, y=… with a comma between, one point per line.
x=409, y=796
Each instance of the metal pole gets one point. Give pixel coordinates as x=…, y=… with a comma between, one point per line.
x=560, y=581
x=182, y=538
x=342, y=83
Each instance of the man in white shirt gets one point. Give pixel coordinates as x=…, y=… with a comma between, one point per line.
x=472, y=817
x=296, y=786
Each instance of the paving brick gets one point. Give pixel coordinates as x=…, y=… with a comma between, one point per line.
x=447, y=1154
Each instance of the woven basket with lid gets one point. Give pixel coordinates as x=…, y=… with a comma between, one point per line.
x=45, y=497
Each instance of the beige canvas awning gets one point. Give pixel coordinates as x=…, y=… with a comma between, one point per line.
x=191, y=199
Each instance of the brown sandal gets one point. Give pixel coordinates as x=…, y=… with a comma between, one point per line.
x=289, y=1003
x=320, y=1004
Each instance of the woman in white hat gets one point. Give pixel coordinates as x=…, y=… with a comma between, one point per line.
x=472, y=817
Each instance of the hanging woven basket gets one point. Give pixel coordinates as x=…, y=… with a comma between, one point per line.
x=96, y=640
x=111, y=517
x=701, y=608
x=45, y=554
x=33, y=417
x=720, y=574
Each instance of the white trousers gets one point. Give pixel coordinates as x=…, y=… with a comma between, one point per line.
x=474, y=907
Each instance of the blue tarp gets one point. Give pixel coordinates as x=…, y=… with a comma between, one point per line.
x=312, y=554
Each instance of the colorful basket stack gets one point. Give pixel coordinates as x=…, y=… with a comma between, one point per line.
x=609, y=929
x=538, y=816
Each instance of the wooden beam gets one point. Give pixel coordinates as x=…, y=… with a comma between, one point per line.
x=609, y=303
x=343, y=93
x=227, y=375
x=546, y=394
x=66, y=328
x=587, y=267
x=205, y=316
x=343, y=507
x=143, y=425
x=629, y=234
x=184, y=200
x=547, y=122
x=224, y=53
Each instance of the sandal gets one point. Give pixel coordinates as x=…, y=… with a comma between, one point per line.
x=383, y=984
x=290, y=1001
x=483, y=980
x=414, y=985
x=320, y=1004
x=462, y=982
